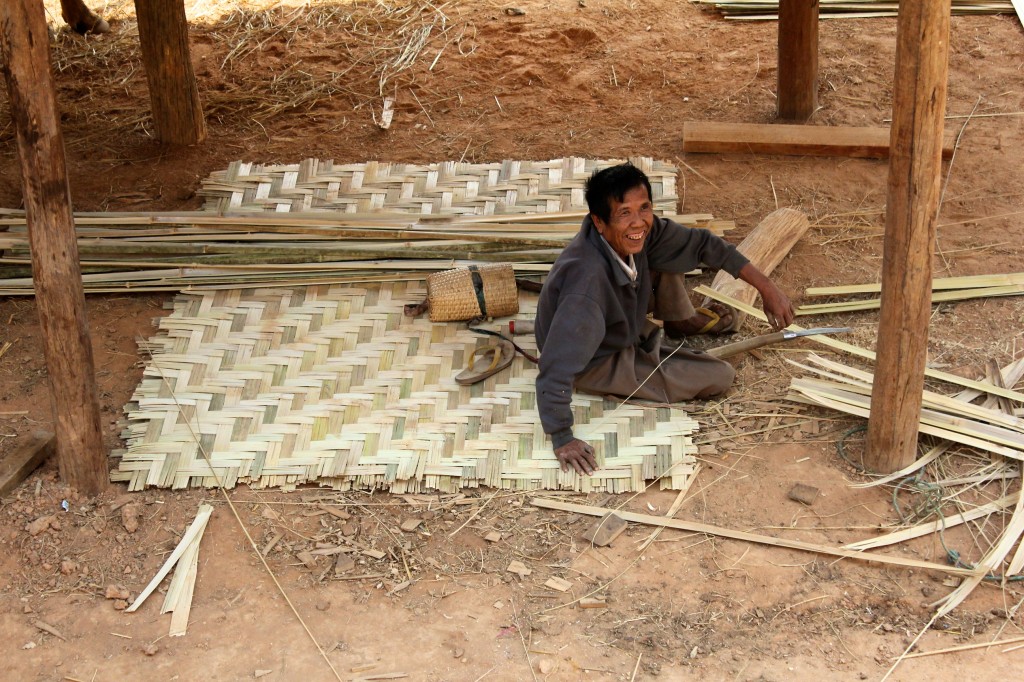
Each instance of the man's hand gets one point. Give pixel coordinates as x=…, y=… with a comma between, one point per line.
x=578, y=455
x=775, y=303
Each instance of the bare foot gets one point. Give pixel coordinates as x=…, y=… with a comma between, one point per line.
x=715, y=319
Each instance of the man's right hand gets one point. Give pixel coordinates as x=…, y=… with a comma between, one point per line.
x=578, y=455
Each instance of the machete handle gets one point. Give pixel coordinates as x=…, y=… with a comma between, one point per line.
x=730, y=349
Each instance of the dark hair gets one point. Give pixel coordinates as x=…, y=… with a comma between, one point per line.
x=613, y=183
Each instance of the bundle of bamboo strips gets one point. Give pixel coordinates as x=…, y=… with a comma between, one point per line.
x=954, y=419
x=944, y=289
x=146, y=252
x=768, y=10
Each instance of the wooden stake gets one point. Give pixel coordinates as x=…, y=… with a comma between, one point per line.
x=25, y=44
x=798, y=59
x=173, y=94
x=922, y=49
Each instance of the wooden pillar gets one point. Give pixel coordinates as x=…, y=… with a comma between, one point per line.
x=173, y=94
x=915, y=165
x=798, y=59
x=25, y=46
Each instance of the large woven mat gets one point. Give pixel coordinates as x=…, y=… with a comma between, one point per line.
x=447, y=187
x=332, y=384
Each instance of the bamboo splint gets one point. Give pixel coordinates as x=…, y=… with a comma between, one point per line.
x=862, y=352
x=697, y=527
x=947, y=296
x=189, y=545
x=334, y=385
x=938, y=284
x=1011, y=374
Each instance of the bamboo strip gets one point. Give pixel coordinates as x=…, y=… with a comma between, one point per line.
x=697, y=527
x=939, y=297
x=938, y=284
x=863, y=353
x=946, y=522
x=194, y=530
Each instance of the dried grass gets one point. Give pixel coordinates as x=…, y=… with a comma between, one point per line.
x=368, y=49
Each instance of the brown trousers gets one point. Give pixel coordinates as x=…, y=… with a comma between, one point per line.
x=639, y=372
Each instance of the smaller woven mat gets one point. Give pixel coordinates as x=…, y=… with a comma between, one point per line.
x=334, y=385
x=438, y=188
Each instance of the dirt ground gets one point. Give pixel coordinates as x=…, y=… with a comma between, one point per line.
x=530, y=80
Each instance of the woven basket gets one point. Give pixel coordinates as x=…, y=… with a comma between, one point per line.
x=476, y=291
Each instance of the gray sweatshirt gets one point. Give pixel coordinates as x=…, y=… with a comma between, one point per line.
x=590, y=309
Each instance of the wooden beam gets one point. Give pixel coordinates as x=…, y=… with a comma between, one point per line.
x=18, y=465
x=25, y=45
x=800, y=140
x=173, y=93
x=919, y=107
x=696, y=527
x=798, y=59
x=765, y=247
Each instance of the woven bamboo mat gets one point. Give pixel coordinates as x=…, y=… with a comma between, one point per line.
x=333, y=385
x=508, y=187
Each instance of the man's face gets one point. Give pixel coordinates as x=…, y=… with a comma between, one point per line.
x=630, y=222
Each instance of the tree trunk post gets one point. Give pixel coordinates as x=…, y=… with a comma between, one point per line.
x=915, y=165
x=798, y=59
x=25, y=47
x=173, y=93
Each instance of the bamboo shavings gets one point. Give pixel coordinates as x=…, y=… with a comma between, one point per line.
x=179, y=596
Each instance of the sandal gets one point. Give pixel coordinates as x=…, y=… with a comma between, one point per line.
x=479, y=368
x=720, y=321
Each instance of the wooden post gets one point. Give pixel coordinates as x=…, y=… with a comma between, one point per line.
x=919, y=104
x=798, y=59
x=173, y=94
x=25, y=46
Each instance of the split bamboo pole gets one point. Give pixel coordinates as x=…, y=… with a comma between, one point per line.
x=922, y=51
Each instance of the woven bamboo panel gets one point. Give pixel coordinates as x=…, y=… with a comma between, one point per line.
x=333, y=385
x=508, y=187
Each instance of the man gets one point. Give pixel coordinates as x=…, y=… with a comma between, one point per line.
x=592, y=325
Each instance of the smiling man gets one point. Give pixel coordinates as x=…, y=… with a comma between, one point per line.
x=592, y=325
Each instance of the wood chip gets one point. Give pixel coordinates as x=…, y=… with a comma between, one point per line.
x=343, y=564
x=335, y=512
x=592, y=603
x=409, y=525
x=275, y=538
x=560, y=584
x=604, y=530
x=307, y=559
x=493, y=536
x=374, y=553
x=519, y=568
x=46, y=627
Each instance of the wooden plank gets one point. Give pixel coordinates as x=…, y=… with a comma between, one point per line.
x=765, y=247
x=801, y=140
x=16, y=466
x=915, y=169
x=25, y=47
x=798, y=59
x=605, y=530
x=697, y=527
